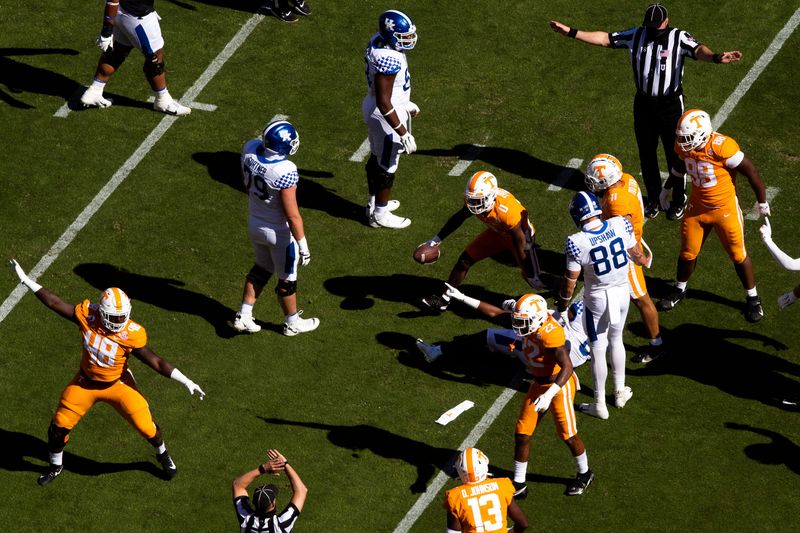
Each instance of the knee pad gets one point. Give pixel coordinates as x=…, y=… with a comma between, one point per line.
x=152, y=66
x=465, y=261
x=116, y=57
x=377, y=178
x=57, y=437
x=258, y=276
x=285, y=288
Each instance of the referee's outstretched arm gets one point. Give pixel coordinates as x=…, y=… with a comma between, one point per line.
x=597, y=38
x=704, y=53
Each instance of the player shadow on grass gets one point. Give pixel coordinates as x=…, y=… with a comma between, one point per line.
x=464, y=359
x=426, y=458
x=21, y=78
x=19, y=447
x=165, y=293
x=225, y=167
x=712, y=356
x=781, y=451
x=516, y=162
x=248, y=6
x=659, y=288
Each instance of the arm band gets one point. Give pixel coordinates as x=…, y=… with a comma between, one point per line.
x=572, y=33
x=717, y=58
x=261, y=469
x=399, y=124
x=471, y=302
x=388, y=112
x=32, y=285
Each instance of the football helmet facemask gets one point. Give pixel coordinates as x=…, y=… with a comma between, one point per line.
x=480, y=193
x=472, y=465
x=603, y=171
x=694, y=130
x=280, y=137
x=397, y=30
x=529, y=314
x=584, y=205
x=115, y=309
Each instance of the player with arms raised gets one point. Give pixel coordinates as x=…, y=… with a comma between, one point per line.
x=713, y=160
x=109, y=338
x=482, y=503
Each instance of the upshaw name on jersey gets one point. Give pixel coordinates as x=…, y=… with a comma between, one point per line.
x=105, y=354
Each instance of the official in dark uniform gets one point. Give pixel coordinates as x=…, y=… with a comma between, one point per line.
x=657, y=54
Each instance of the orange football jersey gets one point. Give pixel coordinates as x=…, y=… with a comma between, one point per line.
x=537, y=349
x=505, y=214
x=481, y=506
x=625, y=200
x=105, y=354
x=710, y=169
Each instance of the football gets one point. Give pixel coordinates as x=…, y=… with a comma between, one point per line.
x=426, y=254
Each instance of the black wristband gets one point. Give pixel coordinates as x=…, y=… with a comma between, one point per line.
x=261, y=469
x=107, y=30
x=572, y=33
x=717, y=58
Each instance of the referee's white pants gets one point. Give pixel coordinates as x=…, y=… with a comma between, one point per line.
x=605, y=313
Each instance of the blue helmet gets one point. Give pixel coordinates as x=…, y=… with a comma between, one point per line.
x=397, y=30
x=281, y=137
x=584, y=205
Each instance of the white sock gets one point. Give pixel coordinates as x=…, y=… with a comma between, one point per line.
x=582, y=463
x=657, y=341
x=161, y=448
x=520, y=471
x=246, y=310
x=97, y=85
x=291, y=319
x=681, y=285
x=57, y=459
x=752, y=292
x=371, y=202
x=381, y=210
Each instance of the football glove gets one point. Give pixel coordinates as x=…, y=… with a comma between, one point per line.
x=105, y=43
x=409, y=144
x=663, y=198
x=786, y=299
x=23, y=277
x=305, y=253
x=190, y=385
x=766, y=231
x=454, y=293
x=434, y=241
x=509, y=305
x=763, y=209
x=542, y=403
x=412, y=109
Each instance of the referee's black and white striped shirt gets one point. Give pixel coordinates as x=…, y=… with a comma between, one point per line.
x=272, y=523
x=656, y=57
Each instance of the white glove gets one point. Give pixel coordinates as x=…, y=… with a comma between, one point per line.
x=105, y=43
x=542, y=403
x=412, y=109
x=23, y=277
x=305, y=254
x=786, y=299
x=509, y=305
x=763, y=209
x=193, y=387
x=766, y=231
x=454, y=293
x=663, y=198
x=409, y=144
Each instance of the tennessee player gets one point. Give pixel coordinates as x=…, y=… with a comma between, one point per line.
x=620, y=195
x=507, y=228
x=482, y=503
x=553, y=385
x=713, y=160
x=109, y=337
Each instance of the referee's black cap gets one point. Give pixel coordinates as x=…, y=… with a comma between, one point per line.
x=655, y=15
x=264, y=497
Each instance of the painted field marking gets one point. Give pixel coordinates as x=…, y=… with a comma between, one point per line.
x=753, y=214
x=564, y=175
x=470, y=155
x=133, y=161
x=362, y=152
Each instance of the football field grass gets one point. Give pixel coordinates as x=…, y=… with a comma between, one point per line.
x=706, y=443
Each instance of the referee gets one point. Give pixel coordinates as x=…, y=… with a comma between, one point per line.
x=657, y=53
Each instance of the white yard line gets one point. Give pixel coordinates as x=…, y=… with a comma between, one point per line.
x=362, y=152
x=753, y=214
x=133, y=161
x=441, y=478
x=469, y=156
x=563, y=176
x=422, y=503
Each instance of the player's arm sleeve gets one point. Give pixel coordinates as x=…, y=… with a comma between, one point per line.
x=622, y=39
x=782, y=257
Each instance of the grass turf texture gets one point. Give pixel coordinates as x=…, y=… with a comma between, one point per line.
x=701, y=446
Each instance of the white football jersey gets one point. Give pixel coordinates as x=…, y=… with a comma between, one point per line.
x=382, y=60
x=263, y=178
x=602, y=254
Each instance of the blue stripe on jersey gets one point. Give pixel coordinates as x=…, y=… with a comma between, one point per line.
x=573, y=250
x=386, y=155
x=147, y=48
x=291, y=253
x=387, y=65
x=289, y=179
x=601, y=229
x=590, y=329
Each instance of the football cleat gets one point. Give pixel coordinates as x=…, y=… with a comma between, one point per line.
x=170, y=470
x=53, y=472
x=622, y=396
x=520, y=490
x=436, y=302
x=694, y=130
x=753, y=310
x=603, y=171
x=648, y=354
x=94, y=98
x=530, y=312
x=114, y=309
x=671, y=300
x=301, y=7
x=579, y=485
x=472, y=465
x=675, y=212
x=583, y=206
x=301, y=325
x=245, y=324
x=432, y=352
x=651, y=210
x=389, y=220
x=171, y=107
x=596, y=410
